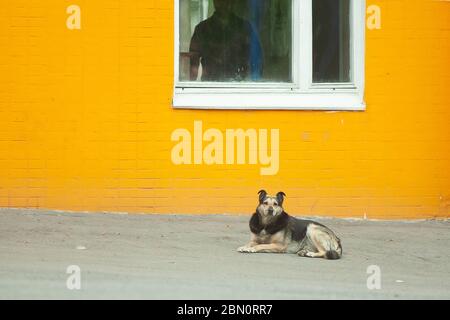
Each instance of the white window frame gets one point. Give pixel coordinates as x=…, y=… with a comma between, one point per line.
x=301, y=93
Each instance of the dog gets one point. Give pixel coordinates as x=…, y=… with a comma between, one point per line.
x=274, y=231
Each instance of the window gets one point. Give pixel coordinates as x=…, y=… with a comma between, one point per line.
x=269, y=54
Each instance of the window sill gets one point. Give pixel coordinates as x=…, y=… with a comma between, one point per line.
x=335, y=101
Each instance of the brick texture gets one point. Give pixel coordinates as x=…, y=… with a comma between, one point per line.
x=86, y=119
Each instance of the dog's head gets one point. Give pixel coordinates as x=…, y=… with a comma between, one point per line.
x=270, y=206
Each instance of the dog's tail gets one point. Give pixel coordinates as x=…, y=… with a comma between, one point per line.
x=332, y=255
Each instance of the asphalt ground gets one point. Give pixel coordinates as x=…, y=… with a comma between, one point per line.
x=124, y=256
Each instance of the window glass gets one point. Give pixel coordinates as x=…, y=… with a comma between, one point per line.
x=331, y=41
x=235, y=40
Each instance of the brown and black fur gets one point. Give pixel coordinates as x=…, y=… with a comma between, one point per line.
x=273, y=230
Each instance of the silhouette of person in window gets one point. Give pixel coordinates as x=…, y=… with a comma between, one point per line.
x=226, y=46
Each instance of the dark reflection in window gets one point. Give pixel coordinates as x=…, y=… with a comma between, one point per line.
x=235, y=40
x=331, y=40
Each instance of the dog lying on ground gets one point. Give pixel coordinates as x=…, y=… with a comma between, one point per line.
x=274, y=231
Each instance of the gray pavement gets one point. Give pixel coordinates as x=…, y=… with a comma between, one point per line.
x=194, y=257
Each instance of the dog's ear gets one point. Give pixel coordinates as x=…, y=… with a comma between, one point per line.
x=280, y=197
x=262, y=195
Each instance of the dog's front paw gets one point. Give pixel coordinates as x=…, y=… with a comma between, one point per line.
x=246, y=249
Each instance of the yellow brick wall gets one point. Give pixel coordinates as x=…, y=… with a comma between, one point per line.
x=86, y=120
